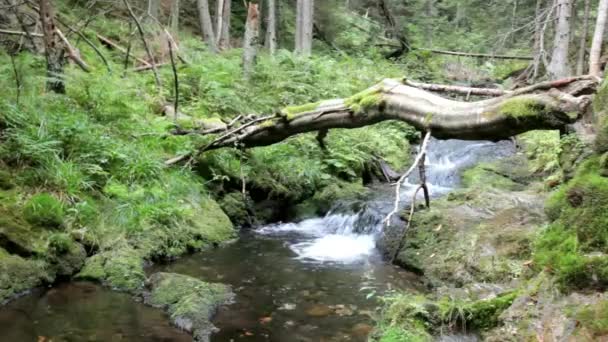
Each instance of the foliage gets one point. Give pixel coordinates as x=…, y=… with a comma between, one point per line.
x=44, y=210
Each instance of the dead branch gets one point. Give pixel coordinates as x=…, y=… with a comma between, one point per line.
x=120, y=48
x=419, y=157
x=456, y=89
x=175, y=79
x=72, y=52
x=476, y=55
x=145, y=42
x=21, y=33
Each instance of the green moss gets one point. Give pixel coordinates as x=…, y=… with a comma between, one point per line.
x=191, y=303
x=486, y=176
x=213, y=225
x=121, y=269
x=44, y=210
x=364, y=100
x=336, y=192
x=483, y=314
x=601, y=139
x=16, y=235
x=604, y=165
x=592, y=320
x=18, y=275
x=235, y=206
x=267, y=123
x=522, y=108
x=292, y=111
x=397, y=334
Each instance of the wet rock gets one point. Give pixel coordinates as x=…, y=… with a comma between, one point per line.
x=319, y=310
x=362, y=329
x=288, y=307
x=191, y=303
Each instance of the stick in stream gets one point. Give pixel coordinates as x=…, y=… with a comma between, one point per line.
x=419, y=157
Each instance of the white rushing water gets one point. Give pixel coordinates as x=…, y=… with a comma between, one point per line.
x=351, y=237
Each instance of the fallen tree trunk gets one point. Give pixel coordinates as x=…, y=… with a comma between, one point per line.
x=518, y=111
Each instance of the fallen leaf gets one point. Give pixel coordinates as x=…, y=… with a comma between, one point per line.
x=266, y=320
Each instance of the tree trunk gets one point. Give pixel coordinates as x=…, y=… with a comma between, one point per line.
x=595, y=66
x=206, y=25
x=52, y=48
x=271, y=27
x=174, y=20
x=224, y=8
x=251, y=40
x=559, y=66
x=493, y=119
x=304, y=27
x=154, y=9
x=580, y=60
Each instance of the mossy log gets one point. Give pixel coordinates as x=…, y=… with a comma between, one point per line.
x=548, y=105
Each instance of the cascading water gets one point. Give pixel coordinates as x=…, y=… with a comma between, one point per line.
x=316, y=280
x=351, y=237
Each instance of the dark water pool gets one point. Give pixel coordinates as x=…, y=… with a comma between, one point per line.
x=82, y=311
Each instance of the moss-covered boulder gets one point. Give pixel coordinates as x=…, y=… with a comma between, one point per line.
x=65, y=256
x=121, y=268
x=190, y=302
x=235, y=206
x=18, y=275
x=17, y=236
x=337, y=192
x=213, y=225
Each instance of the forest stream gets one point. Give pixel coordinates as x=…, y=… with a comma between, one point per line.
x=315, y=280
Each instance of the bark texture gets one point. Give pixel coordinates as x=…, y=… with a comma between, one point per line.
x=250, y=42
x=304, y=27
x=205, y=24
x=52, y=48
x=525, y=109
x=559, y=66
x=174, y=18
x=580, y=59
x=223, y=15
x=595, y=66
x=271, y=27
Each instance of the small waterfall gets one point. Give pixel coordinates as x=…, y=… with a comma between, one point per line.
x=347, y=237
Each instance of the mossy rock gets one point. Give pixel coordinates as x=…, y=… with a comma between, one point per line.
x=235, y=206
x=17, y=236
x=338, y=191
x=122, y=269
x=44, y=210
x=18, y=275
x=65, y=256
x=305, y=210
x=601, y=139
x=604, y=165
x=486, y=175
x=213, y=225
x=190, y=302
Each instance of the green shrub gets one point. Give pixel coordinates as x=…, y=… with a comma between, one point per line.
x=44, y=210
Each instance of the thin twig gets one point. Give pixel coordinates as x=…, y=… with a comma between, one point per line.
x=128, y=53
x=175, y=80
x=146, y=46
x=17, y=78
x=88, y=42
x=72, y=53
x=402, y=179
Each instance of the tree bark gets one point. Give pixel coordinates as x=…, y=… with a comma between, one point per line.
x=559, y=66
x=580, y=60
x=251, y=40
x=154, y=9
x=223, y=14
x=271, y=27
x=206, y=25
x=174, y=19
x=493, y=119
x=52, y=48
x=304, y=27
x=595, y=66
